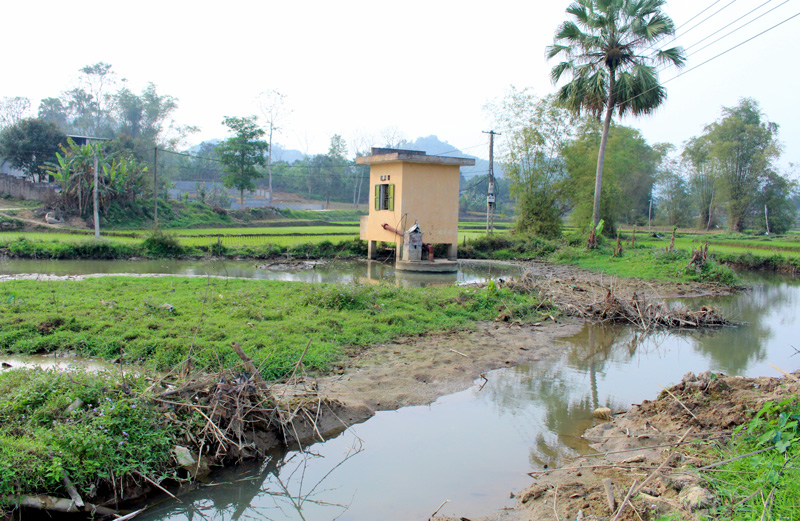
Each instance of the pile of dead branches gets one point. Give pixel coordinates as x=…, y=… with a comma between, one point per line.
x=638, y=311
x=243, y=416
x=600, y=302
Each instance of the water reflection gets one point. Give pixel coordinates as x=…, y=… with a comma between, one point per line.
x=291, y=485
x=343, y=272
x=475, y=446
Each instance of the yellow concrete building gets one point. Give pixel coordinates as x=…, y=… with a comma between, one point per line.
x=409, y=187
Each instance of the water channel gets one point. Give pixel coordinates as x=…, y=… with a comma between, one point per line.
x=475, y=447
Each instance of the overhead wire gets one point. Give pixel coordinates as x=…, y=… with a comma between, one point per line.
x=715, y=57
x=698, y=24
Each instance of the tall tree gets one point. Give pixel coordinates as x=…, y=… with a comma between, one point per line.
x=272, y=106
x=96, y=81
x=534, y=130
x=13, y=110
x=673, y=192
x=743, y=145
x=775, y=210
x=30, y=145
x=609, y=52
x=630, y=172
x=697, y=162
x=242, y=154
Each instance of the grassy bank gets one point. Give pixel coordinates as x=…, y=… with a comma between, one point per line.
x=642, y=261
x=761, y=479
x=119, y=431
x=163, y=322
x=110, y=434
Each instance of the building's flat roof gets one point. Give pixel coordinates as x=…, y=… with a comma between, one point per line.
x=388, y=155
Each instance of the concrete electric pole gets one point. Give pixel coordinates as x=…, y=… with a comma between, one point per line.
x=490, y=198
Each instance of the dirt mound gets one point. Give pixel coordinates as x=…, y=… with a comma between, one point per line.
x=649, y=453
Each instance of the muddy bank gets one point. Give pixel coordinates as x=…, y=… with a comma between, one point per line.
x=651, y=450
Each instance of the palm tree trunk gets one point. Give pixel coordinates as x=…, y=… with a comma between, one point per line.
x=601, y=155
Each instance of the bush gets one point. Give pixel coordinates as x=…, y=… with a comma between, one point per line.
x=160, y=244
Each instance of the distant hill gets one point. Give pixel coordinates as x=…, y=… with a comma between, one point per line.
x=432, y=145
x=285, y=154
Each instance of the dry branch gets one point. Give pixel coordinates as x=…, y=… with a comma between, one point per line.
x=636, y=310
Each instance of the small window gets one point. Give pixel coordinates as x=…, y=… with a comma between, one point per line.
x=384, y=197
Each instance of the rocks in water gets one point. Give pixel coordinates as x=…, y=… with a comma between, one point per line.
x=189, y=462
x=602, y=413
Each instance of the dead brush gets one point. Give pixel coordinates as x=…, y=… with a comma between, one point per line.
x=243, y=415
x=599, y=302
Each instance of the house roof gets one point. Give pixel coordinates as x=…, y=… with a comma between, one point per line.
x=392, y=155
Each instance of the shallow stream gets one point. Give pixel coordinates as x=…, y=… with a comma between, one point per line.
x=475, y=447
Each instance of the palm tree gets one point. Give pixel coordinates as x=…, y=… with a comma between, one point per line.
x=609, y=52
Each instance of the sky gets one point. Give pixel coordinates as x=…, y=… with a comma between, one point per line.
x=365, y=69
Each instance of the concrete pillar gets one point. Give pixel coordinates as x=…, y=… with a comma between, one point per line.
x=372, y=250
x=452, y=251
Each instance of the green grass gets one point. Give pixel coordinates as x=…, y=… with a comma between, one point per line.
x=112, y=434
x=162, y=321
x=645, y=263
x=764, y=485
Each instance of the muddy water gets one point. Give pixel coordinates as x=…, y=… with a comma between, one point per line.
x=474, y=447
x=333, y=272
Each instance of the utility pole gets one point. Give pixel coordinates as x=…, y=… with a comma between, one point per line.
x=96, y=214
x=155, y=186
x=490, y=199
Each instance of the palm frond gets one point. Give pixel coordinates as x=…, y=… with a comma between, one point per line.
x=674, y=56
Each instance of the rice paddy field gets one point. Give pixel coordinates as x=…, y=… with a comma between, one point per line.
x=291, y=233
x=288, y=235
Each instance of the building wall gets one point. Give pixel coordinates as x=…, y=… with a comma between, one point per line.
x=424, y=193
x=386, y=173
x=429, y=196
x=23, y=189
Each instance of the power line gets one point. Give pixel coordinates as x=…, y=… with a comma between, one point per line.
x=714, y=57
x=740, y=27
x=698, y=23
x=733, y=22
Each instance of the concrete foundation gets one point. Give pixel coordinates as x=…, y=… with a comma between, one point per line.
x=452, y=251
x=435, y=266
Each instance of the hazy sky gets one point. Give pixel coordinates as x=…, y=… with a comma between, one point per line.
x=360, y=67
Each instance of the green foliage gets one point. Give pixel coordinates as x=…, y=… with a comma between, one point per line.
x=160, y=244
x=604, y=48
x=242, y=153
x=154, y=321
x=506, y=247
x=30, y=144
x=120, y=178
x=742, y=146
x=629, y=173
x=762, y=484
x=114, y=432
x=775, y=204
x=535, y=131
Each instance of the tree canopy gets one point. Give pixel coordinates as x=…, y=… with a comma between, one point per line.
x=609, y=54
x=30, y=145
x=742, y=145
x=242, y=154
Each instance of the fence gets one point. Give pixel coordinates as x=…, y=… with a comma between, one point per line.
x=23, y=189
